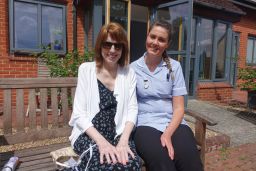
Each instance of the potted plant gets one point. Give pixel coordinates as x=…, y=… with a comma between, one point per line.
x=57, y=45
x=247, y=76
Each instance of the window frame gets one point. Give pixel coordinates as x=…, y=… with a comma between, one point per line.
x=214, y=49
x=39, y=31
x=227, y=50
x=253, y=38
x=235, y=53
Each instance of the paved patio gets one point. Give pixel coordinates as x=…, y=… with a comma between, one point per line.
x=241, y=156
x=240, y=131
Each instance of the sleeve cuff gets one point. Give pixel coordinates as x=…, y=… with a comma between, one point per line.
x=179, y=91
x=83, y=124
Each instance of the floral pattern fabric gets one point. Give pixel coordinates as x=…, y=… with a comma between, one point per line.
x=105, y=125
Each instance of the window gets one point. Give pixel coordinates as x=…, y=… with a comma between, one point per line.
x=35, y=25
x=205, y=56
x=251, y=51
x=118, y=12
x=221, y=30
x=213, y=39
x=111, y=11
x=177, y=15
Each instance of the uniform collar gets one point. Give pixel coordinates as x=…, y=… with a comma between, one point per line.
x=142, y=64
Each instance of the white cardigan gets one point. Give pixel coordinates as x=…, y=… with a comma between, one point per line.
x=86, y=101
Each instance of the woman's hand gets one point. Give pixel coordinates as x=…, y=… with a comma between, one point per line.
x=178, y=114
x=108, y=151
x=167, y=142
x=124, y=150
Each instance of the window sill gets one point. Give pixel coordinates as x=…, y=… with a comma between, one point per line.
x=26, y=55
x=251, y=65
x=21, y=57
x=209, y=85
x=35, y=52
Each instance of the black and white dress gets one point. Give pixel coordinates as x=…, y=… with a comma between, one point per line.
x=105, y=124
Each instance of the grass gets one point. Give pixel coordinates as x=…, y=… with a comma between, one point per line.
x=224, y=153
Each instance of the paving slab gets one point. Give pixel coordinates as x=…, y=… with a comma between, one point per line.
x=239, y=130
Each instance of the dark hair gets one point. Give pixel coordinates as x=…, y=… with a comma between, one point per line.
x=164, y=24
x=117, y=33
x=168, y=27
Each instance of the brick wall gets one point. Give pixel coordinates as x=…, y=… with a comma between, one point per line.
x=245, y=25
x=25, y=66
x=80, y=29
x=214, y=91
x=13, y=65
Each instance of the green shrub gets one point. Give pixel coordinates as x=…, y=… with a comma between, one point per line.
x=64, y=66
x=248, y=77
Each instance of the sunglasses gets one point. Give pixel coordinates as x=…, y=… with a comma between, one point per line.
x=108, y=45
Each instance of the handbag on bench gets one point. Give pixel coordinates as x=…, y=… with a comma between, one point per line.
x=67, y=158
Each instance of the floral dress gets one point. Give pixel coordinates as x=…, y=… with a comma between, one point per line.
x=105, y=124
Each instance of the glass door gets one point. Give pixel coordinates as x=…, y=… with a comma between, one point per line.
x=179, y=13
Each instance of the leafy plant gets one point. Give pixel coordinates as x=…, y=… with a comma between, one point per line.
x=248, y=78
x=224, y=153
x=64, y=66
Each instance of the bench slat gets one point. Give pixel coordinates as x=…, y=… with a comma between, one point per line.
x=37, y=164
x=13, y=83
x=73, y=90
x=41, y=150
x=43, y=107
x=54, y=103
x=20, y=110
x=7, y=118
x=35, y=134
x=34, y=157
x=4, y=157
x=32, y=108
x=64, y=107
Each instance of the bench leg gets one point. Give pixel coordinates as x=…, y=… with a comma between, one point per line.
x=200, y=132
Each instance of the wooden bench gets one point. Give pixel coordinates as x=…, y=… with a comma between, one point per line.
x=35, y=109
x=40, y=108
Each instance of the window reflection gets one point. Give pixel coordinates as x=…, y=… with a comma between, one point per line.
x=118, y=12
x=221, y=50
x=36, y=25
x=177, y=16
x=181, y=59
x=25, y=26
x=234, y=58
x=205, y=49
x=191, y=76
x=193, y=36
x=254, y=53
x=251, y=51
x=52, y=27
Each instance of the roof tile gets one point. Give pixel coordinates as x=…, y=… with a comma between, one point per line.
x=221, y=5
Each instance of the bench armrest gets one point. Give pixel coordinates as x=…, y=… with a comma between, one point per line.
x=200, y=117
x=200, y=130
